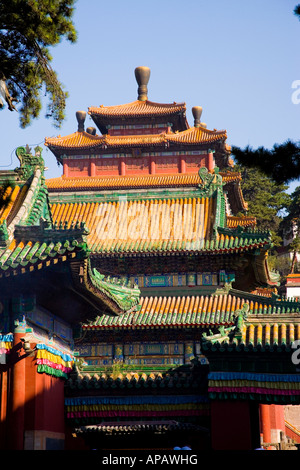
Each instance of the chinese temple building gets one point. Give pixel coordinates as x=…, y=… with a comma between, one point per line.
x=47, y=285
x=137, y=286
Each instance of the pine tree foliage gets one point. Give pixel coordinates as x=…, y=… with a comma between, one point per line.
x=28, y=29
x=290, y=226
x=281, y=163
x=266, y=199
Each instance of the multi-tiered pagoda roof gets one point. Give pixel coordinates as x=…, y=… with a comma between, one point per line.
x=164, y=207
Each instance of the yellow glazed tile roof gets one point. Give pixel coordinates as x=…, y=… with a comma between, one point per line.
x=141, y=226
x=75, y=140
x=10, y=196
x=138, y=108
x=233, y=222
x=172, y=311
x=84, y=140
x=194, y=135
x=121, y=182
x=266, y=323
x=131, y=181
x=154, y=226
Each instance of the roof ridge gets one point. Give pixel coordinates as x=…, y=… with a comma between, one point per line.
x=137, y=103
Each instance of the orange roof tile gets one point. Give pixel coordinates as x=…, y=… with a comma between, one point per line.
x=138, y=108
x=154, y=226
x=84, y=140
x=233, y=222
x=63, y=183
x=195, y=135
x=264, y=317
x=75, y=140
x=231, y=176
x=136, y=226
x=10, y=196
x=120, y=182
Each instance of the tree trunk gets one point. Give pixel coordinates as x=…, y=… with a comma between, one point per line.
x=293, y=262
x=6, y=96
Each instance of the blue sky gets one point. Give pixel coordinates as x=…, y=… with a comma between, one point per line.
x=237, y=59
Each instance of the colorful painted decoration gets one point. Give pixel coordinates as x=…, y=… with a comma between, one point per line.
x=52, y=361
x=244, y=385
x=6, y=342
x=136, y=406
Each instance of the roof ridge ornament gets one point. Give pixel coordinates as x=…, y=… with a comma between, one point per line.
x=197, y=111
x=28, y=161
x=142, y=75
x=80, y=116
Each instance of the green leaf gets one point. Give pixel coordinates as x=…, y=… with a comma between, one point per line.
x=28, y=29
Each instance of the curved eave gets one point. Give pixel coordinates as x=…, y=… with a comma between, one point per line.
x=82, y=183
x=25, y=257
x=83, y=141
x=124, y=182
x=137, y=108
x=185, y=248
x=87, y=284
x=173, y=312
x=235, y=195
x=76, y=141
x=196, y=135
x=203, y=311
x=234, y=222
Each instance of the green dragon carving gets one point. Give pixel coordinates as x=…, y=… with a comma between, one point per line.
x=117, y=289
x=230, y=333
x=29, y=162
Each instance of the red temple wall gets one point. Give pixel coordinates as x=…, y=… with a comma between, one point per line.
x=142, y=131
x=272, y=423
x=4, y=387
x=34, y=417
x=134, y=165
x=44, y=400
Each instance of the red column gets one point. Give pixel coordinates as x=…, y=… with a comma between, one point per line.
x=44, y=407
x=122, y=167
x=277, y=417
x=272, y=423
x=152, y=166
x=66, y=169
x=92, y=169
x=265, y=423
x=3, y=406
x=18, y=396
x=210, y=161
x=182, y=165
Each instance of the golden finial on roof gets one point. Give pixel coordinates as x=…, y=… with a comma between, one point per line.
x=197, y=111
x=80, y=115
x=142, y=75
x=91, y=130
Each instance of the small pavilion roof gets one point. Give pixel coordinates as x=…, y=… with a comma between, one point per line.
x=138, y=109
